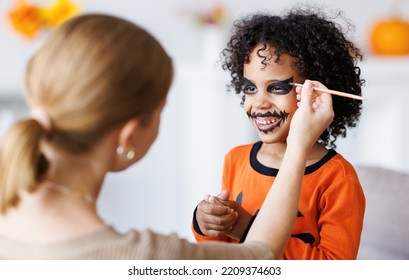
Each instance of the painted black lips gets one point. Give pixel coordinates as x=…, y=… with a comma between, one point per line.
x=282, y=115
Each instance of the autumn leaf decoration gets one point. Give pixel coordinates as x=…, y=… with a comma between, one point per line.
x=30, y=20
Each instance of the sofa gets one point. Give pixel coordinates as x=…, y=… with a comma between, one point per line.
x=385, y=234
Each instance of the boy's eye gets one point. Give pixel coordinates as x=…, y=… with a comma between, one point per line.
x=275, y=89
x=281, y=88
x=249, y=90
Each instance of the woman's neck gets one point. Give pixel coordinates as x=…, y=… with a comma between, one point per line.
x=80, y=175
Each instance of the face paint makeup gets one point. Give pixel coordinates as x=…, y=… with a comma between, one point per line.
x=279, y=87
x=267, y=122
x=248, y=88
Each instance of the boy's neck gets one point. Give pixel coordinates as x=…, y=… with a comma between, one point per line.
x=271, y=155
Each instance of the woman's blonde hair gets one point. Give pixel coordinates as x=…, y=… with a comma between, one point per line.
x=92, y=74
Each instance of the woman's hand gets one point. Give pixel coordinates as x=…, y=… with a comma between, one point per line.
x=313, y=116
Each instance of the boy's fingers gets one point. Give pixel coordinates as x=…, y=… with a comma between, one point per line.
x=224, y=195
x=217, y=210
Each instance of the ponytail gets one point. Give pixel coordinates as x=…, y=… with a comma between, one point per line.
x=22, y=165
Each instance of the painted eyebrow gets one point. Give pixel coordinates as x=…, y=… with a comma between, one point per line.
x=281, y=81
x=247, y=81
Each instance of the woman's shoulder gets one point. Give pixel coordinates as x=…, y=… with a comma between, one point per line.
x=103, y=243
x=135, y=244
x=107, y=243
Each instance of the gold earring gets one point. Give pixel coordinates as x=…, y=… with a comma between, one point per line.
x=130, y=154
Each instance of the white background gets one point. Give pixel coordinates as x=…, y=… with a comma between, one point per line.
x=203, y=269
x=202, y=121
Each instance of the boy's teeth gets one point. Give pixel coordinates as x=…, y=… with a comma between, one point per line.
x=266, y=122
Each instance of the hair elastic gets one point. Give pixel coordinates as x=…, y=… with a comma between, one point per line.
x=41, y=116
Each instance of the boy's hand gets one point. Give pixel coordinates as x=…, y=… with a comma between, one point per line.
x=220, y=216
x=214, y=216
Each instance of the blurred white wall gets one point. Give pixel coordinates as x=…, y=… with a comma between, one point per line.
x=201, y=121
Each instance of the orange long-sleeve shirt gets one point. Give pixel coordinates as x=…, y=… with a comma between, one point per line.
x=330, y=211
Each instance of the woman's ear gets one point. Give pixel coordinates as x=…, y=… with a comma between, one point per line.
x=127, y=146
x=128, y=133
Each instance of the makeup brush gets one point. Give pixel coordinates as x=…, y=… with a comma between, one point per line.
x=330, y=91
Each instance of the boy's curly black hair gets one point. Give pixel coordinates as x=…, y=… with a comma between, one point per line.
x=320, y=50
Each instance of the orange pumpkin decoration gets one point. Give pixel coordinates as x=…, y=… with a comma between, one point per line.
x=390, y=37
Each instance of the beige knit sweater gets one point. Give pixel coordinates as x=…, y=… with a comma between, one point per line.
x=107, y=243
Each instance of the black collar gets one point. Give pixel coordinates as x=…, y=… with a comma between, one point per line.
x=265, y=170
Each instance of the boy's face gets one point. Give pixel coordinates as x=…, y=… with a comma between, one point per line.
x=269, y=101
